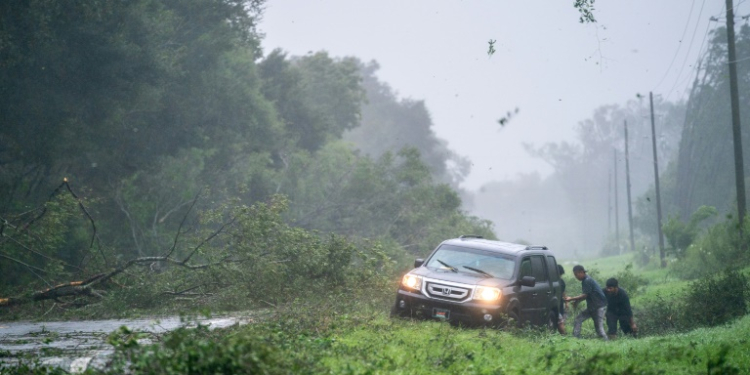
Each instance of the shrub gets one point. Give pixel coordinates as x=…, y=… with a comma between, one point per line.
x=200, y=351
x=716, y=300
x=629, y=281
x=681, y=235
x=713, y=252
x=659, y=315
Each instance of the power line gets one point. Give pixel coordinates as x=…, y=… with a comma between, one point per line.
x=690, y=47
x=690, y=15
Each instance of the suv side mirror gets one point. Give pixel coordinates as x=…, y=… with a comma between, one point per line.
x=418, y=262
x=528, y=281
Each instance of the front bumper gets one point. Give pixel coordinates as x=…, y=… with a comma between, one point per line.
x=417, y=305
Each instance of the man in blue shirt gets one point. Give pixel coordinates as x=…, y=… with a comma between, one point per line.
x=618, y=310
x=596, y=303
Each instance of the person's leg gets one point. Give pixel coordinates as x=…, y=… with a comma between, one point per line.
x=625, y=325
x=611, y=325
x=561, y=324
x=598, y=316
x=580, y=318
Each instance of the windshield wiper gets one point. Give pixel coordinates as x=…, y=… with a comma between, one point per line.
x=479, y=271
x=454, y=269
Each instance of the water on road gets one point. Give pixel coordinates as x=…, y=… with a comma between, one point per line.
x=77, y=345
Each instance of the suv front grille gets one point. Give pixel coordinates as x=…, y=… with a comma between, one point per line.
x=447, y=291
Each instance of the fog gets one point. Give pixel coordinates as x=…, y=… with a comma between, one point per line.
x=552, y=69
x=404, y=123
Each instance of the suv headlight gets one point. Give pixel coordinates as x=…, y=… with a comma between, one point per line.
x=412, y=281
x=485, y=293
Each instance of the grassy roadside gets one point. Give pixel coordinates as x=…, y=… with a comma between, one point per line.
x=349, y=332
x=434, y=348
x=371, y=343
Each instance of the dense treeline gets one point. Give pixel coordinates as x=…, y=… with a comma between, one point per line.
x=174, y=131
x=705, y=173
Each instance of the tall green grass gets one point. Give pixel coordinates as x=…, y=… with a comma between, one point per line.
x=370, y=343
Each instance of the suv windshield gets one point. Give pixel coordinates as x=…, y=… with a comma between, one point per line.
x=466, y=260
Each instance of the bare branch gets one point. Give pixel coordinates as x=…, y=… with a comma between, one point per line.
x=179, y=229
x=91, y=219
x=209, y=238
x=75, y=288
x=123, y=208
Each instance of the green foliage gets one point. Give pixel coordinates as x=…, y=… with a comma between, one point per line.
x=705, y=175
x=182, y=138
x=32, y=367
x=54, y=241
x=629, y=281
x=393, y=197
x=660, y=315
x=257, y=260
x=91, y=89
x=339, y=337
x=198, y=351
x=317, y=97
x=390, y=123
x=586, y=9
x=710, y=301
x=717, y=299
x=719, y=248
x=681, y=235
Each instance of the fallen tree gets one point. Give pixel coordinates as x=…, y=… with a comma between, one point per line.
x=92, y=286
x=233, y=257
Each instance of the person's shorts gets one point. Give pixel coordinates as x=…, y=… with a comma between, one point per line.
x=561, y=318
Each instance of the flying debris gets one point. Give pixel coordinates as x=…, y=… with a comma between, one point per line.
x=491, y=49
x=505, y=119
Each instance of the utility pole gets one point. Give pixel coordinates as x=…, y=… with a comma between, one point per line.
x=739, y=171
x=656, y=182
x=617, y=209
x=627, y=179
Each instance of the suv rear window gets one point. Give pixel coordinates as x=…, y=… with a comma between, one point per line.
x=497, y=265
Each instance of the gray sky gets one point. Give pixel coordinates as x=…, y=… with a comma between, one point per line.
x=553, y=68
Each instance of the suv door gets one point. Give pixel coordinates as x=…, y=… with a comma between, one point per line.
x=534, y=300
x=556, y=292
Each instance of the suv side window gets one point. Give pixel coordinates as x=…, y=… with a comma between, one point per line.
x=552, y=267
x=525, y=268
x=539, y=270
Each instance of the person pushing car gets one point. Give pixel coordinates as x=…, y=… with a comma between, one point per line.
x=596, y=303
x=618, y=310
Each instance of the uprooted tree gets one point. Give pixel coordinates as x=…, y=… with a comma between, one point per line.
x=234, y=251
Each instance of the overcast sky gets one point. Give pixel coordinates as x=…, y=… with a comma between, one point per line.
x=555, y=70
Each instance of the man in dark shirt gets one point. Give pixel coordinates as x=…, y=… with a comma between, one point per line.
x=596, y=303
x=618, y=310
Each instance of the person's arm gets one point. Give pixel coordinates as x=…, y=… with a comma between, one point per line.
x=629, y=311
x=585, y=290
x=576, y=298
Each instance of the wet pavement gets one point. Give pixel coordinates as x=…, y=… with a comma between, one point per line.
x=77, y=345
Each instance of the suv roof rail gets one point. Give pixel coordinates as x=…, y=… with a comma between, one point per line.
x=465, y=236
x=536, y=248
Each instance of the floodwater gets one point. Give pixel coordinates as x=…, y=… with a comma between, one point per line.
x=77, y=345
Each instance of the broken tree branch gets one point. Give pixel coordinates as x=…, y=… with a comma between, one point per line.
x=179, y=229
x=74, y=288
